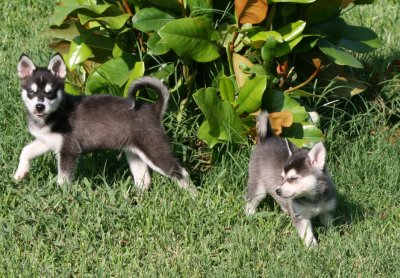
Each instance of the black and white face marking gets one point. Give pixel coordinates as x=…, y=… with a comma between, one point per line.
x=42, y=89
x=295, y=184
x=299, y=173
x=41, y=99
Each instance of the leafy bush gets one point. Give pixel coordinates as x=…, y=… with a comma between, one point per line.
x=235, y=56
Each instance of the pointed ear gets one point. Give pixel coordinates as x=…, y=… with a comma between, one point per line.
x=317, y=156
x=288, y=147
x=57, y=66
x=25, y=67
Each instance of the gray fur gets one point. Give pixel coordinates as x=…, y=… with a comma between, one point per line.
x=270, y=159
x=82, y=124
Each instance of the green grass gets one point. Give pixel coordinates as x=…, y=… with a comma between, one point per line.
x=100, y=226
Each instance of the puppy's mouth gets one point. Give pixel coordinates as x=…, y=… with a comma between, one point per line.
x=39, y=114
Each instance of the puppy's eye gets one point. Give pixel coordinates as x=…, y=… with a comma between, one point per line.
x=31, y=93
x=292, y=179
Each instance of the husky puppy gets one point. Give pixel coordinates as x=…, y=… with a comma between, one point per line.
x=296, y=178
x=72, y=125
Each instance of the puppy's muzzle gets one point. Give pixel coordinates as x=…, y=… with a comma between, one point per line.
x=40, y=108
x=278, y=192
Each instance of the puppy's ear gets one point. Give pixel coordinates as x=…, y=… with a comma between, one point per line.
x=317, y=156
x=25, y=67
x=57, y=66
x=290, y=147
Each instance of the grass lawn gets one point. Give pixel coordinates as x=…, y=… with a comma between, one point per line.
x=100, y=226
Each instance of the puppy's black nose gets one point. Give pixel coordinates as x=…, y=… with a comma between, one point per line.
x=40, y=107
x=278, y=192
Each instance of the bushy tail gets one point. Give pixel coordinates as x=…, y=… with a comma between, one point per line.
x=155, y=84
x=264, y=129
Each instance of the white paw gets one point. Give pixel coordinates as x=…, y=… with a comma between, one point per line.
x=249, y=210
x=61, y=180
x=21, y=173
x=311, y=242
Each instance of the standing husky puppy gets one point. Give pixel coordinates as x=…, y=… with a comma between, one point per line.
x=71, y=125
x=295, y=178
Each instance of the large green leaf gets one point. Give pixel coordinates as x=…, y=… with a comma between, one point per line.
x=114, y=22
x=200, y=6
x=170, y=5
x=292, y=30
x=204, y=133
x=287, y=47
x=223, y=122
x=137, y=71
x=191, y=38
x=73, y=6
x=277, y=101
x=258, y=39
x=363, y=2
x=250, y=95
x=303, y=134
x=113, y=73
x=337, y=55
x=78, y=52
x=156, y=45
x=151, y=19
x=227, y=89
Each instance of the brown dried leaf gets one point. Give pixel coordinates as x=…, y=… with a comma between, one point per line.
x=238, y=61
x=251, y=11
x=279, y=120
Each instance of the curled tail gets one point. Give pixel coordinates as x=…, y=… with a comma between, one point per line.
x=155, y=84
x=264, y=129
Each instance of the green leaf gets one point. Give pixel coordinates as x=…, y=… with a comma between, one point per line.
x=137, y=72
x=151, y=19
x=114, y=22
x=191, y=38
x=164, y=71
x=156, y=45
x=359, y=46
x=287, y=47
x=258, y=39
x=337, y=55
x=114, y=72
x=73, y=6
x=303, y=134
x=251, y=93
x=78, y=52
x=170, y=5
x=70, y=89
x=277, y=101
x=204, y=133
x=223, y=122
x=292, y=30
x=227, y=89
x=355, y=38
x=197, y=7
x=363, y=2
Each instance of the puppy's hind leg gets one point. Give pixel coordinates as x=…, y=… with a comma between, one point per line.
x=256, y=192
x=139, y=170
x=66, y=166
x=160, y=159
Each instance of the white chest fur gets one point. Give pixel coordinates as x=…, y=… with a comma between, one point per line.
x=52, y=140
x=312, y=210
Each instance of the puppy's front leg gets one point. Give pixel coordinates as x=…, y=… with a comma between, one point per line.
x=304, y=228
x=66, y=165
x=29, y=152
